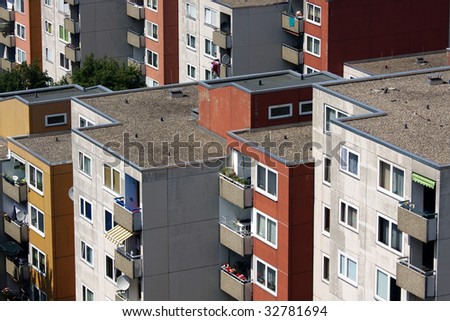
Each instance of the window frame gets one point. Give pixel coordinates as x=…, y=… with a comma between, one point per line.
x=21, y=53
x=55, y=115
x=111, y=188
x=213, y=13
x=211, y=46
x=324, y=220
x=313, y=39
x=389, y=276
x=39, y=253
x=87, y=120
x=113, y=223
x=48, y=3
x=82, y=211
x=149, y=30
x=255, y=276
x=345, y=224
x=84, y=254
x=189, y=38
x=153, y=6
x=313, y=70
x=32, y=226
x=189, y=69
x=64, y=31
x=81, y=166
x=150, y=82
x=322, y=274
x=84, y=292
x=63, y=55
x=272, y=107
x=336, y=116
x=20, y=31
x=300, y=106
x=189, y=11
x=266, y=184
x=48, y=25
x=391, y=177
x=49, y=54
x=345, y=169
x=153, y=55
x=30, y=184
x=267, y=218
x=314, y=14
x=114, y=270
x=389, y=245
x=324, y=172
x=40, y=293
x=19, y=6
x=345, y=276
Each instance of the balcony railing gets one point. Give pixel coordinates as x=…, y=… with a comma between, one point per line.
x=71, y=25
x=420, y=282
x=237, y=193
x=7, y=64
x=238, y=286
x=135, y=39
x=225, y=70
x=292, y=23
x=18, y=231
x=135, y=9
x=121, y=296
x=72, y=2
x=7, y=13
x=14, y=189
x=128, y=263
x=235, y=238
x=222, y=39
x=19, y=272
x=293, y=55
x=129, y=218
x=139, y=65
x=73, y=53
x=417, y=224
x=9, y=40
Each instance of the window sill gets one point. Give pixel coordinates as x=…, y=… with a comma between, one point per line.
x=34, y=189
x=84, y=174
x=348, y=281
x=348, y=227
x=264, y=193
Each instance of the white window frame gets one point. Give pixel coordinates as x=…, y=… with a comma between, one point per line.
x=49, y=55
x=153, y=55
x=22, y=54
x=112, y=280
x=262, y=191
x=32, y=226
x=56, y=124
x=391, y=177
x=149, y=30
x=89, y=122
x=20, y=31
x=345, y=223
x=389, y=245
x=40, y=293
x=84, y=292
x=48, y=3
x=314, y=14
x=280, y=106
x=189, y=38
x=323, y=268
x=63, y=7
x=48, y=25
x=59, y=34
x=62, y=54
x=267, y=218
x=84, y=254
x=104, y=219
x=30, y=185
x=82, y=155
x=300, y=106
x=83, y=202
x=313, y=70
x=255, y=275
x=110, y=188
x=19, y=6
x=345, y=276
x=211, y=46
x=336, y=116
x=324, y=181
x=213, y=13
x=313, y=39
x=39, y=252
x=151, y=82
x=344, y=166
x=390, y=276
x=152, y=5
x=191, y=11
x=189, y=69
x=324, y=231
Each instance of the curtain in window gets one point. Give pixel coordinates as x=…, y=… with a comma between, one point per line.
x=116, y=181
x=317, y=14
x=353, y=163
x=396, y=238
x=310, y=12
x=384, y=176
x=261, y=225
x=344, y=158
x=352, y=217
x=35, y=260
x=351, y=270
x=41, y=262
x=382, y=285
x=107, y=175
x=40, y=221
x=329, y=115
x=272, y=183
x=33, y=217
x=261, y=273
x=87, y=166
x=271, y=232
x=32, y=176
x=39, y=180
x=271, y=279
x=397, y=181
x=261, y=177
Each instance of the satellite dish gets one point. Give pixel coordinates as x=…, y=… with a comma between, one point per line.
x=21, y=216
x=225, y=27
x=226, y=59
x=123, y=282
x=71, y=193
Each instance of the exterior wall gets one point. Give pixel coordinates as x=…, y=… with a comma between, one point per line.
x=351, y=72
x=78, y=110
x=442, y=260
x=35, y=31
x=14, y=118
x=38, y=113
x=24, y=19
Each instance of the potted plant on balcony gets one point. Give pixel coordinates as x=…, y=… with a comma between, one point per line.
x=230, y=173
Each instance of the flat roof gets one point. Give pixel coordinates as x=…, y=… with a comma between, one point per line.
x=401, y=63
x=155, y=120
x=413, y=115
x=249, y=3
x=291, y=143
x=53, y=149
x=3, y=148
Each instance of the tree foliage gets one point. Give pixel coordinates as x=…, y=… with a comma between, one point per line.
x=24, y=76
x=107, y=72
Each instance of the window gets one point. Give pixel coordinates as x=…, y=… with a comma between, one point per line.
x=87, y=253
x=327, y=170
x=36, y=177
x=88, y=295
x=386, y=287
x=37, y=220
x=348, y=215
x=330, y=114
x=191, y=11
x=109, y=220
x=348, y=269
x=48, y=3
x=63, y=34
x=19, y=6
x=64, y=63
x=48, y=55
x=63, y=7
x=190, y=41
x=38, y=260
x=266, y=276
x=151, y=30
x=191, y=71
x=84, y=122
x=310, y=70
x=208, y=74
x=152, y=59
x=152, y=4
x=84, y=163
x=313, y=13
x=111, y=178
x=21, y=56
x=266, y=181
x=266, y=228
x=85, y=209
x=37, y=294
x=391, y=179
x=305, y=107
x=325, y=268
x=211, y=49
x=55, y=120
x=280, y=111
x=151, y=82
x=388, y=234
x=48, y=27
x=326, y=221
x=313, y=45
x=20, y=31
x=111, y=272
x=349, y=161
x=211, y=17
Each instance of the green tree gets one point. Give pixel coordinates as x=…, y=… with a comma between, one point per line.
x=24, y=76
x=107, y=72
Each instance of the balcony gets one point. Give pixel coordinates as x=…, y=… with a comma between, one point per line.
x=18, y=231
x=7, y=39
x=222, y=39
x=73, y=53
x=15, y=189
x=139, y=65
x=135, y=39
x=236, y=238
x=292, y=54
x=7, y=64
x=135, y=9
x=7, y=13
x=419, y=282
x=19, y=272
x=292, y=23
x=72, y=2
x=129, y=218
x=235, y=192
x=71, y=25
x=128, y=263
x=417, y=224
x=121, y=296
x=235, y=284
x=225, y=70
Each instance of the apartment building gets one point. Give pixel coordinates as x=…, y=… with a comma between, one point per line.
x=382, y=187
x=325, y=34
x=229, y=38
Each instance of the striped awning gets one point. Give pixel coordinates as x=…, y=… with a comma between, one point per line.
x=118, y=234
x=423, y=180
